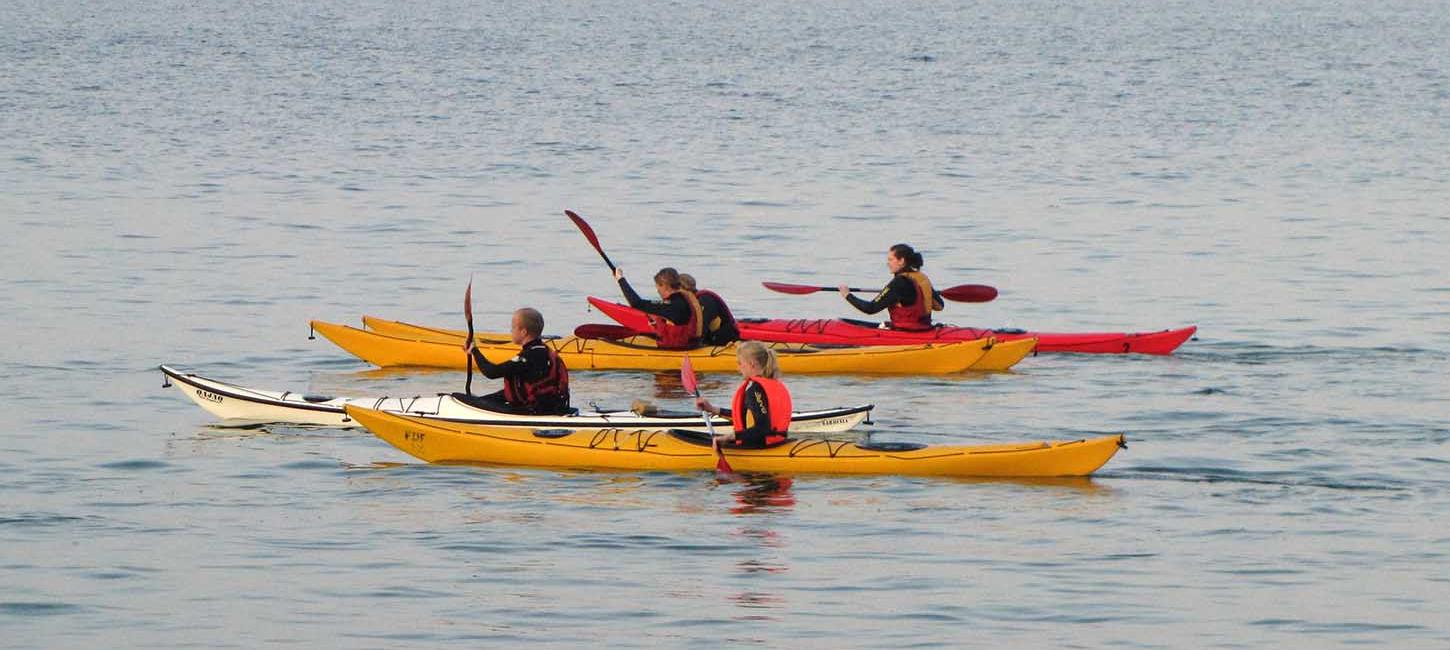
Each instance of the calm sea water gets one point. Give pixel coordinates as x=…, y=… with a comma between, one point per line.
x=189, y=183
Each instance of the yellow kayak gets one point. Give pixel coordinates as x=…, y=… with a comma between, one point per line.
x=640, y=353
x=1000, y=355
x=625, y=449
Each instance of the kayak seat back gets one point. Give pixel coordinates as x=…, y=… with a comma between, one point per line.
x=488, y=403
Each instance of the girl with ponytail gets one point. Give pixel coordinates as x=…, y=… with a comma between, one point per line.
x=909, y=298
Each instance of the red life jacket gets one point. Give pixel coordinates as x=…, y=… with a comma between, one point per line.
x=917, y=315
x=683, y=335
x=777, y=405
x=547, y=394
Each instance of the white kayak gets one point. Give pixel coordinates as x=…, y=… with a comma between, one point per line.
x=238, y=403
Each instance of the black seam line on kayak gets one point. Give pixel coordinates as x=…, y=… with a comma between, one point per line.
x=559, y=442
x=641, y=447
x=254, y=398
x=1020, y=450
x=1127, y=338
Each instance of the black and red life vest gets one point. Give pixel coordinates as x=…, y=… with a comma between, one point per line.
x=546, y=395
x=722, y=329
x=725, y=314
x=778, y=406
x=683, y=335
x=917, y=315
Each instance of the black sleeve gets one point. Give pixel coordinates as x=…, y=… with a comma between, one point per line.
x=676, y=310
x=531, y=363
x=901, y=291
x=629, y=294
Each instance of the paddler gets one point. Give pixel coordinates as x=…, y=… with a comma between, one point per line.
x=535, y=381
x=909, y=298
x=761, y=410
x=719, y=323
x=679, y=322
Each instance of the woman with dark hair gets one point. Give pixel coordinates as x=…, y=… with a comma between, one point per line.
x=676, y=316
x=909, y=298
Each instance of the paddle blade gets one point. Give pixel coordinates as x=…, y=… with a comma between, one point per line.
x=687, y=376
x=589, y=235
x=970, y=293
x=468, y=306
x=468, y=316
x=584, y=228
x=603, y=331
x=793, y=289
x=721, y=465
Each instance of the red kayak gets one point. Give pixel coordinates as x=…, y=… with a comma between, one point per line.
x=841, y=331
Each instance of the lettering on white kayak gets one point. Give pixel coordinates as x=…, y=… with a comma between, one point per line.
x=209, y=396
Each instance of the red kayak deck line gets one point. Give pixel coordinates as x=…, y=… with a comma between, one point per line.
x=835, y=331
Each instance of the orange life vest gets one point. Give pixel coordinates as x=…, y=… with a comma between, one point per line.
x=547, y=394
x=777, y=405
x=917, y=315
x=683, y=335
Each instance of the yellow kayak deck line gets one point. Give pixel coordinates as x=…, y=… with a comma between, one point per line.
x=1000, y=356
x=624, y=449
x=640, y=353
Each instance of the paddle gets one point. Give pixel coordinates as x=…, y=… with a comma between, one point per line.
x=687, y=377
x=603, y=331
x=959, y=293
x=589, y=235
x=468, y=315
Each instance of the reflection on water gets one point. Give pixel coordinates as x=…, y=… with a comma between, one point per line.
x=1077, y=484
x=759, y=493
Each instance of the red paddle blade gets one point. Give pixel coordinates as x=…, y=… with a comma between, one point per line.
x=794, y=289
x=468, y=306
x=687, y=376
x=584, y=228
x=603, y=331
x=970, y=293
x=721, y=465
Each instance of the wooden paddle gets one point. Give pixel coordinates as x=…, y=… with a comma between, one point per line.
x=959, y=293
x=687, y=377
x=468, y=316
x=589, y=235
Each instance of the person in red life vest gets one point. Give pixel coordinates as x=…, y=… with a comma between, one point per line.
x=909, y=298
x=535, y=381
x=677, y=314
x=761, y=410
x=719, y=324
